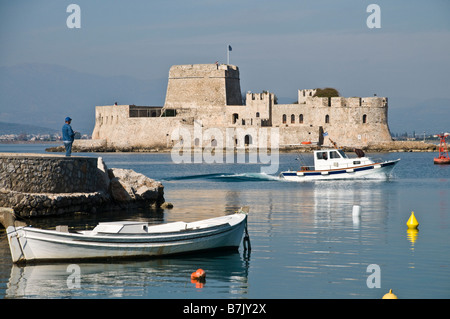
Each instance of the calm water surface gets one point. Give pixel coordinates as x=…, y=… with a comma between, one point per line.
x=305, y=242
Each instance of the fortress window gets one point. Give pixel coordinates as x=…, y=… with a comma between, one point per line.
x=235, y=117
x=284, y=118
x=197, y=142
x=169, y=113
x=327, y=118
x=292, y=118
x=364, y=118
x=300, y=118
x=248, y=139
x=257, y=114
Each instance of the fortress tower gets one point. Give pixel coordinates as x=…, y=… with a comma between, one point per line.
x=203, y=85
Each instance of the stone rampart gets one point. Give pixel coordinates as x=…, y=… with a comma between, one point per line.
x=35, y=185
x=48, y=174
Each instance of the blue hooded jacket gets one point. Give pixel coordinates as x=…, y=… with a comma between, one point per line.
x=68, y=134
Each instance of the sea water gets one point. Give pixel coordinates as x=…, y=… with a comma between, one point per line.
x=305, y=241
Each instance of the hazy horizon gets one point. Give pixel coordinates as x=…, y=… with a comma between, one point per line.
x=278, y=46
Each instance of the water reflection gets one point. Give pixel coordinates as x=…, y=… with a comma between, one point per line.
x=412, y=234
x=322, y=204
x=226, y=273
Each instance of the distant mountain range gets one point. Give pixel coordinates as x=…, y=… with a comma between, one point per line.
x=15, y=128
x=42, y=95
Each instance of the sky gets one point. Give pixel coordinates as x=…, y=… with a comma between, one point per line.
x=280, y=46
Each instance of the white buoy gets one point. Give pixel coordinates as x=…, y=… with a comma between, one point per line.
x=356, y=213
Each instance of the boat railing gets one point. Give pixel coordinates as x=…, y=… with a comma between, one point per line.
x=378, y=160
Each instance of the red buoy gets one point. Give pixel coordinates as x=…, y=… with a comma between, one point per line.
x=443, y=151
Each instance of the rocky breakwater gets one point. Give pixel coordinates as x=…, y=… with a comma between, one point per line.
x=401, y=146
x=34, y=185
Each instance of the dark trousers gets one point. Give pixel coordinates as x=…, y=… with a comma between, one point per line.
x=68, y=146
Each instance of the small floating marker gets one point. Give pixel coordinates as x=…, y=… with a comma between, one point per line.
x=390, y=295
x=198, y=278
x=412, y=221
x=200, y=274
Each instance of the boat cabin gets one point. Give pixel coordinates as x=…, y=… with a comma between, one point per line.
x=336, y=158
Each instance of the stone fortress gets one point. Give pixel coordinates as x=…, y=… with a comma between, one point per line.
x=209, y=96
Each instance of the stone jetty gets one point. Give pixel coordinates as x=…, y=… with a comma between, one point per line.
x=35, y=185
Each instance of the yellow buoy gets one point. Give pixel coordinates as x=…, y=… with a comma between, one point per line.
x=390, y=295
x=412, y=221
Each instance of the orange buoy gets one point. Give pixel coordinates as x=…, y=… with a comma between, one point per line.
x=198, y=278
x=199, y=274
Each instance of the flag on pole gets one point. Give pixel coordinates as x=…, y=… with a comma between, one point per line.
x=229, y=48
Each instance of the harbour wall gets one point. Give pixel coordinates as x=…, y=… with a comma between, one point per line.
x=36, y=185
x=48, y=174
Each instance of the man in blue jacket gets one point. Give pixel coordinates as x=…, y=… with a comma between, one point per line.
x=68, y=136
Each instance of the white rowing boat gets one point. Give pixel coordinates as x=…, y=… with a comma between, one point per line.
x=126, y=239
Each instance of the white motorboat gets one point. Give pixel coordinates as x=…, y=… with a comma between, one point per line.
x=127, y=239
x=335, y=164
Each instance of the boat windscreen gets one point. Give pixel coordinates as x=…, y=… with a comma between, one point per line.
x=342, y=154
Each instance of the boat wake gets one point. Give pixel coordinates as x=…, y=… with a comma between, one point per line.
x=259, y=177
x=229, y=177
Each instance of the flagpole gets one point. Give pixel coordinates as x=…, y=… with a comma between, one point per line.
x=228, y=54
